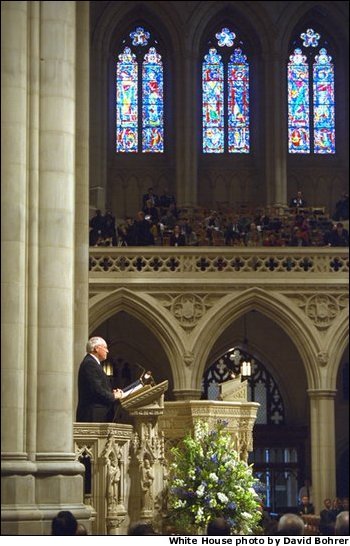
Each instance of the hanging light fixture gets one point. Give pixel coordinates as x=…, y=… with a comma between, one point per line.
x=246, y=367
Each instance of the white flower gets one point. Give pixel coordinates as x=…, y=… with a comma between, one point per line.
x=222, y=497
x=180, y=503
x=200, y=491
x=246, y=515
x=213, y=503
x=213, y=477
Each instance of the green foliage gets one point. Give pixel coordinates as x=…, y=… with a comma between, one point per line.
x=208, y=479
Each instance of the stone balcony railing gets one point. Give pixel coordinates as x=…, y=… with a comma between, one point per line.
x=142, y=262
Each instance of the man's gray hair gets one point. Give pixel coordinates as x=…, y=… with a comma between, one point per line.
x=291, y=524
x=94, y=342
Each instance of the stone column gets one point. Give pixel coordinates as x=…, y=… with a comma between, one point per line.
x=186, y=155
x=17, y=480
x=323, y=460
x=275, y=131
x=59, y=480
x=81, y=293
x=99, y=125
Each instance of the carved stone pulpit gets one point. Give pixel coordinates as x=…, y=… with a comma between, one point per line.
x=149, y=465
x=179, y=417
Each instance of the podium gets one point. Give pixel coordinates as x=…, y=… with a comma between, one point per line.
x=148, y=464
x=147, y=397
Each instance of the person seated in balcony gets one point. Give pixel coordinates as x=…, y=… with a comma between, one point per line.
x=144, y=235
x=253, y=236
x=169, y=220
x=109, y=231
x=151, y=212
x=150, y=195
x=96, y=224
x=298, y=201
x=165, y=200
x=127, y=233
x=342, y=208
x=299, y=237
x=177, y=238
x=337, y=236
x=233, y=231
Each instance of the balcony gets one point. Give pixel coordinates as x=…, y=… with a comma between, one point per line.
x=214, y=263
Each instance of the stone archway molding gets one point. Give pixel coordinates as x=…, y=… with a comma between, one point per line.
x=278, y=308
x=145, y=309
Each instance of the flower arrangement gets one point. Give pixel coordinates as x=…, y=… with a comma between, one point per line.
x=208, y=480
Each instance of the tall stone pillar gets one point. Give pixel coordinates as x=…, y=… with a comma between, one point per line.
x=186, y=155
x=81, y=292
x=59, y=483
x=276, y=132
x=323, y=460
x=17, y=480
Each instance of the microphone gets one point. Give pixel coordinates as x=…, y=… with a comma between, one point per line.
x=145, y=375
x=141, y=368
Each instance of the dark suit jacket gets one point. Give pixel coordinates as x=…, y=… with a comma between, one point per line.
x=95, y=397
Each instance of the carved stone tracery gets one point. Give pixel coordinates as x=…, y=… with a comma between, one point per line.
x=321, y=308
x=187, y=308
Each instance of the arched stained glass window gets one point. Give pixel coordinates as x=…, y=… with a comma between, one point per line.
x=311, y=104
x=139, y=96
x=262, y=387
x=225, y=97
x=238, y=103
x=324, y=116
x=213, y=103
x=298, y=103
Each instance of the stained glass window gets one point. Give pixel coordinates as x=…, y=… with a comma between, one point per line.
x=262, y=387
x=311, y=103
x=127, y=102
x=225, y=102
x=139, y=96
x=298, y=104
x=238, y=103
x=324, y=117
x=213, y=103
x=152, y=105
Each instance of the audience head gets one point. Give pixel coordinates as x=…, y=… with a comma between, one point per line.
x=342, y=523
x=218, y=526
x=141, y=528
x=64, y=524
x=81, y=530
x=345, y=503
x=327, y=503
x=304, y=500
x=291, y=524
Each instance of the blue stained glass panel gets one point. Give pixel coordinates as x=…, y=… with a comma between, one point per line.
x=310, y=38
x=213, y=103
x=139, y=37
x=152, y=103
x=298, y=104
x=323, y=97
x=238, y=103
x=225, y=37
x=126, y=103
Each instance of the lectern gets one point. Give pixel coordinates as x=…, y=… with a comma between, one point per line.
x=148, y=461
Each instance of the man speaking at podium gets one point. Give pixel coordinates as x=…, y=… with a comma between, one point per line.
x=95, y=397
